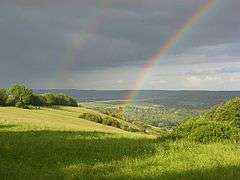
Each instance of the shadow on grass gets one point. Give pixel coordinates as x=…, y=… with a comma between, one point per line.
x=218, y=173
x=44, y=154
x=84, y=155
x=7, y=126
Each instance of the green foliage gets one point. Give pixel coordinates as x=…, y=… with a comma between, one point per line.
x=155, y=115
x=141, y=125
x=220, y=123
x=228, y=111
x=21, y=105
x=19, y=95
x=10, y=101
x=91, y=117
x=3, y=97
x=214, y=132
x=205, y=131
x=38, y=100
x=59, y=99
x=66, y=150
x=128, y=128
x=135, y=126
x=70, y=101
x=100, y=119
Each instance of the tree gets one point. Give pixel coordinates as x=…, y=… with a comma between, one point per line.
x=50, y=99
x=59, y=99
x=3, y=97
x=38, y=100
x=19, y=95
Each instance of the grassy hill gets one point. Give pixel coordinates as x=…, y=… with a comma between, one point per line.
x=54, y=143
x=65, y=119
x=222, y=122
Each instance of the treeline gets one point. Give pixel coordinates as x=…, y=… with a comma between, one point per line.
x=21, y=96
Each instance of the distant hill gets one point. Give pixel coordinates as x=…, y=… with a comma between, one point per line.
x=168, y=98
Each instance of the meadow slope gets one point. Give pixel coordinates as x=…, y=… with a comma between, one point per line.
x=58, y=118
x=56, y=144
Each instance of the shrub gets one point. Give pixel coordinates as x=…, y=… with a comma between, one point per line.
x=3, y=97
x=50, y=99
x=127, y=128
x=111, y=122
x=100, y=119
x=38, y=100
x=91, y=117
x=141, y=125
x=59, y=99
x=21, y=105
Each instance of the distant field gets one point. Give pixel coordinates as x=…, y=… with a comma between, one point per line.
x=153, y=114
x=56, y=144
x=188, y=99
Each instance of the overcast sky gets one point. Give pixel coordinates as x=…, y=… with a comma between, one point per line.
x=104, y=44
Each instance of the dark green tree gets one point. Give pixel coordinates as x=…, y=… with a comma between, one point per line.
x=3, y=97
x=38, y=100
x=50, y=99
x=59, y=99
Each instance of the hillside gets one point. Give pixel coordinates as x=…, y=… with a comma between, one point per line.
x=221, y=122
x=61, y=118
x=54, y=143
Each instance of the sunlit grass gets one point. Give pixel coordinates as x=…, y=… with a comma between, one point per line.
x=49, y=119
x=55, y=144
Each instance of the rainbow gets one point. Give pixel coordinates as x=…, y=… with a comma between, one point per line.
x=166, y=47
x=81, y=38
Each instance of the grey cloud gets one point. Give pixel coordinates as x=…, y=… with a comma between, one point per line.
x=36, y=42
x=224, y=70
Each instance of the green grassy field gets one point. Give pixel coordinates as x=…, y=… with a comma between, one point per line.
x=56, y=144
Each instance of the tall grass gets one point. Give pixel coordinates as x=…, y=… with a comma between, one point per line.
x=92, y=155
x=29, y=152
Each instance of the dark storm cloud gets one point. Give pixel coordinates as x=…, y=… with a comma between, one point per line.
x=39, y=39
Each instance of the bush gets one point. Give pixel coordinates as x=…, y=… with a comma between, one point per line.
x=38, y=100
x=99, y=119
x=111, y=122
x=126, y=127
x=141, y=125
x=59, y=99
x=91, y=117
x=3, y=97
x=21, y=105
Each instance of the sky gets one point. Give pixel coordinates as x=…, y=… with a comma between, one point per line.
x=105, y=44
